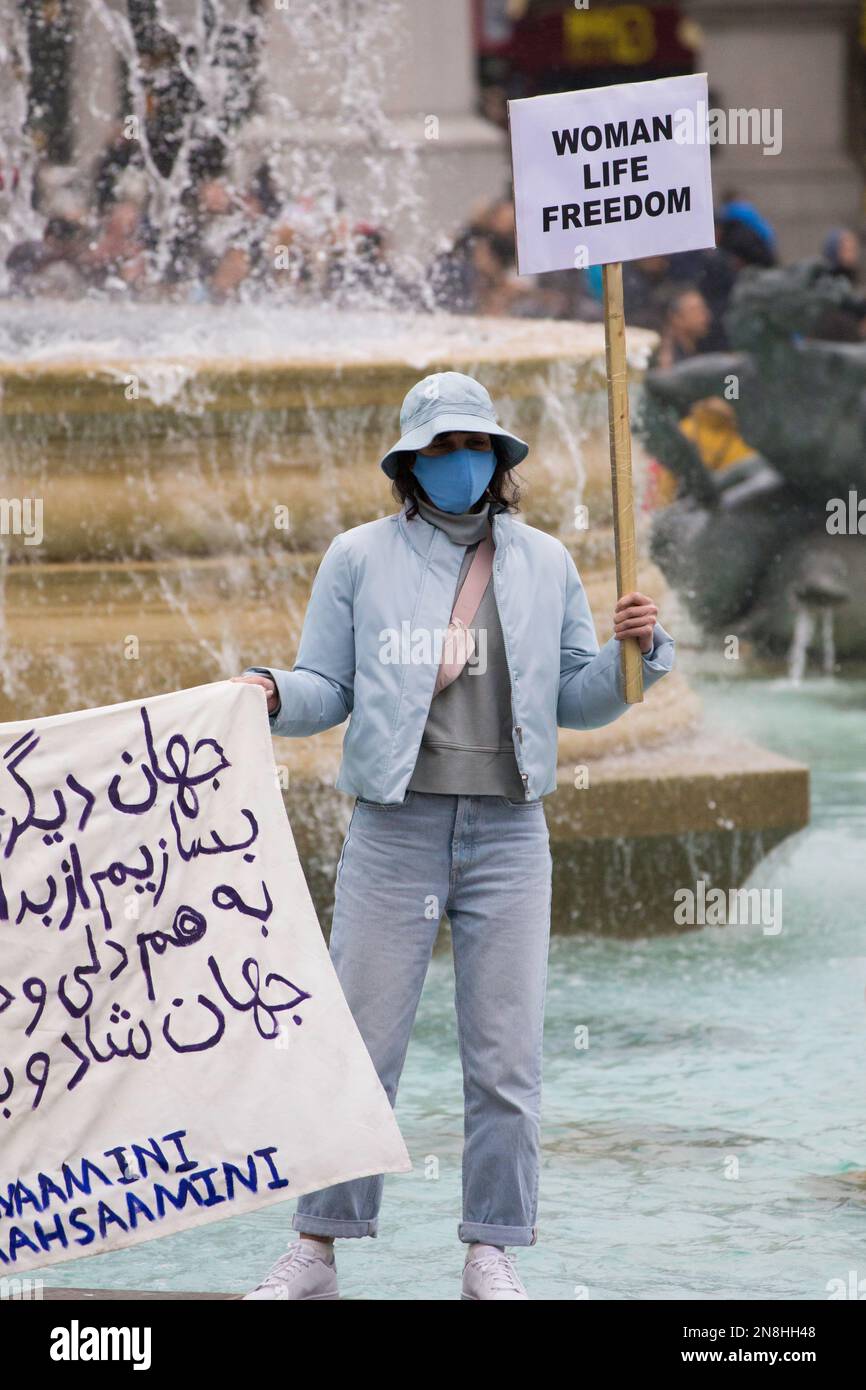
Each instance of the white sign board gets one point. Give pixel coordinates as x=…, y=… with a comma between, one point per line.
x=611, y=174
x=175, y=1047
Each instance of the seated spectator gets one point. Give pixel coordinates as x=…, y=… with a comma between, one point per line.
x=119, y=155
x=844, y=323
x=361, y=271
x=222, y=243
x=223, y=247
x=711, y=423
x=286, y=253
x=685, y=325
x=118, y=253
x=736, y=217
x=645, y=285
x=841, y=251
x=477, y=274
x=452, y=274
x=52, y=266
x=470, y=277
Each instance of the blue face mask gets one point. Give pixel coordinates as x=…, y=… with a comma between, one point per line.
x=455, y=481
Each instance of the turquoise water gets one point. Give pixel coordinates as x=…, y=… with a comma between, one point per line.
x=706, y=1143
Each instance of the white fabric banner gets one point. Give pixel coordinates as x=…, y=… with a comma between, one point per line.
x=611, y=173
x=175, y=1047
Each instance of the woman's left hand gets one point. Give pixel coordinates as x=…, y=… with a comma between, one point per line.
x=635, y=616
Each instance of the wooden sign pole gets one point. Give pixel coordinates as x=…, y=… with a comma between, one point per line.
x=620, y=467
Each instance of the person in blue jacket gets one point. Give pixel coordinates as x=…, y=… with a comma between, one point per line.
x=448, y=776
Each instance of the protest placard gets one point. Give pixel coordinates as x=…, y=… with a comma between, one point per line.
x=175, y=1047
x=611, y=173
x=601, y=176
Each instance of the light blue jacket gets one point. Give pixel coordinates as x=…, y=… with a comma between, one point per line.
x=379, y=576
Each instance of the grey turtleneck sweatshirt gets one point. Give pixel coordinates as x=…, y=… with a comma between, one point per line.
x=466, y=748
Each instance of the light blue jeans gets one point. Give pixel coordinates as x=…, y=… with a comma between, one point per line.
x=486, y=862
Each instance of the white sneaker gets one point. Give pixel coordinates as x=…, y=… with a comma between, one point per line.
x=490, y=1273
x=300, y=1273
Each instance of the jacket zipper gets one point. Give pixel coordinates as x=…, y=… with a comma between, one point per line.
x=516, y=728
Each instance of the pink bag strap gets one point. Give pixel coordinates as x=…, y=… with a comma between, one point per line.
x=474, y=585
x=459, y=644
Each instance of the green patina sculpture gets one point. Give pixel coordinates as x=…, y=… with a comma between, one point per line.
x=751, y=546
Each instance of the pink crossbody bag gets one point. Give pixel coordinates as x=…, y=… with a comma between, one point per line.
x=458, y=644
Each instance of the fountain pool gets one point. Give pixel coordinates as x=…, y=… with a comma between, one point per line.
x=193, y=463
x=709, y=1143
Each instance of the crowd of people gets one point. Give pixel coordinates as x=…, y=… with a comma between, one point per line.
x=683, y=298
x=216, y=241
x=219, y=242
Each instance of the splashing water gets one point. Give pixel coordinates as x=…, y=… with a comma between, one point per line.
x=201, y=106
x=17, y=153
x=828, y=645
x=801, y=640
x=806, y=619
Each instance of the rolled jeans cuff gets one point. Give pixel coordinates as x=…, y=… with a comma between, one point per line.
x=327, y=1226
x=478, y=1232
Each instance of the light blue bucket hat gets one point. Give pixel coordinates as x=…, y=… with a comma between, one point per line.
x=450, y=401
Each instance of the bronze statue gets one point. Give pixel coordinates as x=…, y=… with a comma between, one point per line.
x=755, y=547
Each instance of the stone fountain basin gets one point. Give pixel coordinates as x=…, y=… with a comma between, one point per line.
x=162, y=472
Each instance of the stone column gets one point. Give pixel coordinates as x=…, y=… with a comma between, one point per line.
x=414, y=86
x=796, y=55
x=347, y=88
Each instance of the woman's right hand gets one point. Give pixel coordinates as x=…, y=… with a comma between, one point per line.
x=267, y=685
